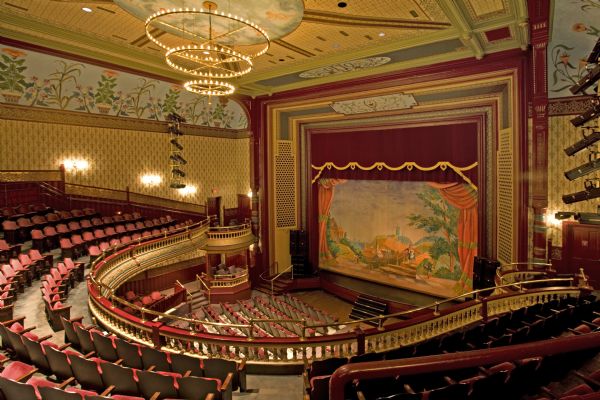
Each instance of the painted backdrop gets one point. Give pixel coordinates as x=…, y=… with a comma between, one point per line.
x=420, y=236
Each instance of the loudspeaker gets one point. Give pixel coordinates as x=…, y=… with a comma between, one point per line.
x=298, y=242
x=484, y=272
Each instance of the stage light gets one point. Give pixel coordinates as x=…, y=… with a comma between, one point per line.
x=175, y=143
x=176, y=158
x=588, y=115
x=581, y=196
x=564, y=214
x=177, y=185
x=587, y=141
x=587, y=81
x=174, y=130
x=595, y=54
x=583, y=169
x=178, y=172
x=588, y=218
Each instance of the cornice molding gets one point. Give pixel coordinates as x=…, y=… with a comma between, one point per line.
x=52, y=116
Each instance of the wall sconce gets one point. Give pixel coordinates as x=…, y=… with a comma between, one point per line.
x=250, y=194
x=75, y=165
x=151, y=180
x=188, y=190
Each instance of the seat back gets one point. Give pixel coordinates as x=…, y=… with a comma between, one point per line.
x=36, y=354
x=17, y=390
x=182, y=363
x=151, y=382
x=326, y=367
x=104, y=347
x=219, y=368
x=155, y=357
x=58, y=362
x=16, y=342
x=122, y=378
x=129, y=353
x=196, y=388
x=86, y=372
x=70, y=334
x=85, y=340
x=52, y=393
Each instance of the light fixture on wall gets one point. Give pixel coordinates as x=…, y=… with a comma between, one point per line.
x=250, y=194
x=207, y=43
x=75, y=165
x=188, y=190
x=150, y=179
x=588, y=115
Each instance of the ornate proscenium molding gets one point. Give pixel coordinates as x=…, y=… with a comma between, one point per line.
x=397, y=101
x=409, y=165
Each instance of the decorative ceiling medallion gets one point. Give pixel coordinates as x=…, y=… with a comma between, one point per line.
x=348, y=66
x=389, y=102
x=276, y=17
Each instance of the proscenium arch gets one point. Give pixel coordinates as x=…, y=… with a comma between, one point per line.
x=488, y=93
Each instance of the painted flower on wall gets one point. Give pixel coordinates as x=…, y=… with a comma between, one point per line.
x=12, y=79
x=565, y=74
x=105, y=92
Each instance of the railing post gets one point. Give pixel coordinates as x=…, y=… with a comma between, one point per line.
x=380, y=323
x=156, y=336
x=436, y=310
x=360, y=341
x=251, y=332
x=303, y=337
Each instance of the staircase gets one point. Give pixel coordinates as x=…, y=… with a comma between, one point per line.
x=198, y=299
x=280, y=285
x=365, y=307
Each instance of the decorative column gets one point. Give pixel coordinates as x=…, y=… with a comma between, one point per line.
x=539, y=13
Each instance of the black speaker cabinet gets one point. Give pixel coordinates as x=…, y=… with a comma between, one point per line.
x=298, y=242
x=484, y=272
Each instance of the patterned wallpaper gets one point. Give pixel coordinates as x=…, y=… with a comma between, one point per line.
x=562, y=134
x=118, y=158
x=575, y=30
x=34, y=79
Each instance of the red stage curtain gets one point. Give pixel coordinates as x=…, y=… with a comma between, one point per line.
x=325, y=198
x=463, y=197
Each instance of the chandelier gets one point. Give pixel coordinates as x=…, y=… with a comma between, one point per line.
x=209, y=44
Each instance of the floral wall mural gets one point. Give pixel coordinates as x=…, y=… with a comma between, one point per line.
x=34, y=79
x=575, y=30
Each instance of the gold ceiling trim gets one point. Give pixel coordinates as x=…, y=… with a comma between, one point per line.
x=324, y=17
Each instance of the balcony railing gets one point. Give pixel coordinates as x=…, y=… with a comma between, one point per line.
x=114, y=269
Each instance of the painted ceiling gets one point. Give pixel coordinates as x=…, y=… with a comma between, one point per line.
x=334, y=40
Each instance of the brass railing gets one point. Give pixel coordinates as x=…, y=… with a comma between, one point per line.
x=106, y=307
x=206, y=287
x=229, y=232
x=273, y=279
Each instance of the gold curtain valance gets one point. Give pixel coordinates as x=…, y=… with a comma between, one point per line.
x=409, y=165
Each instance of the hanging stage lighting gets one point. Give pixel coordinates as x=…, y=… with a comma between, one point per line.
x=178, y=172
x=595, y=54
x=176, y=158
x=587, y=81
x=175, y=143
x=592, y=113
x=587, y=141
x=581, y=196
x=177, y=185
x=174, y=130
x=583, y=169
x=588, y=218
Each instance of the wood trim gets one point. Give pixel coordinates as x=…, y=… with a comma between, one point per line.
x=62, y=117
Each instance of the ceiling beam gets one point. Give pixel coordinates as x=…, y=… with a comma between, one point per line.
x=521, y=26
x=459, y=21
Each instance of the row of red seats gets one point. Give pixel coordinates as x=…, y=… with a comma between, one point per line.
x=55, y=290
x=23, y=210
x=93, y=374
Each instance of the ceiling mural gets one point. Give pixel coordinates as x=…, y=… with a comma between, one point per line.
x=34, y=79
x=276, y=17
x=575, y=30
